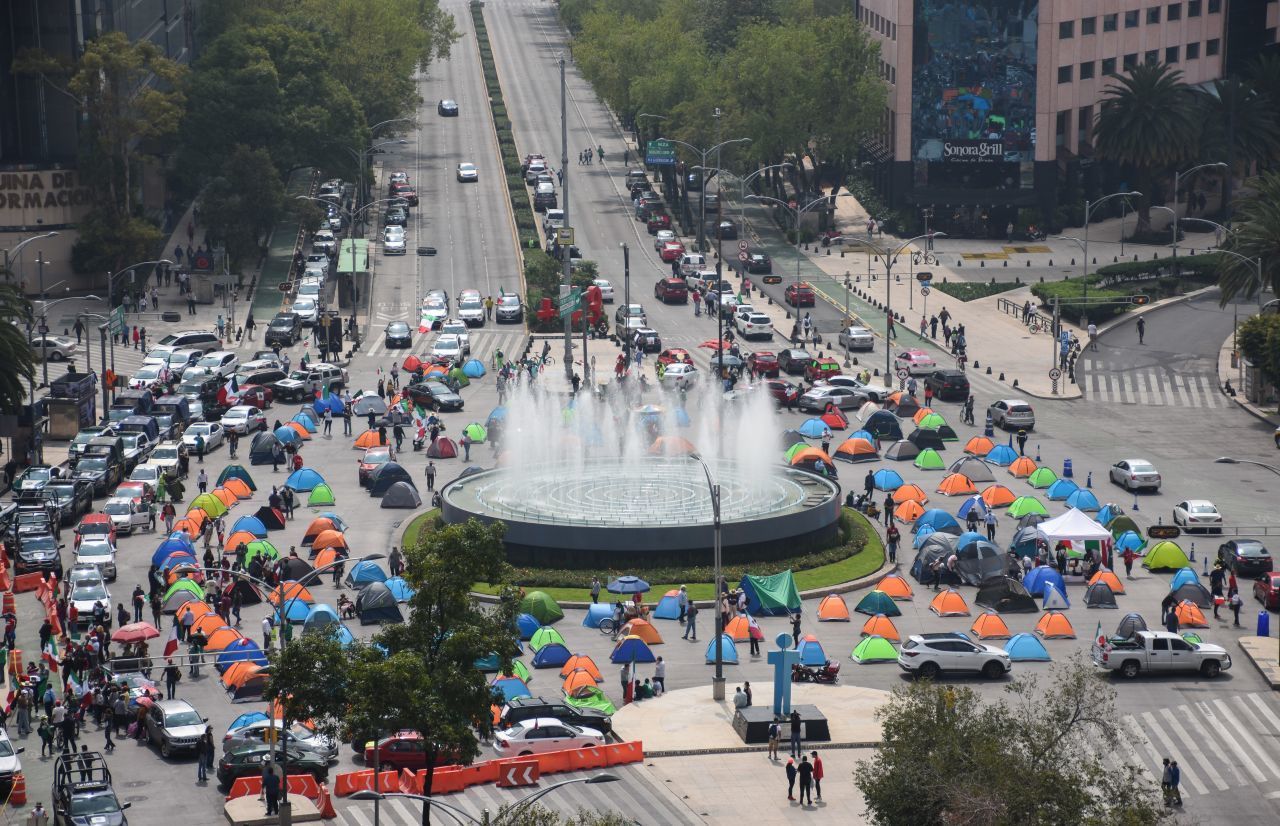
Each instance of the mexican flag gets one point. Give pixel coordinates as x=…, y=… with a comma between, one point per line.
x=50, y=655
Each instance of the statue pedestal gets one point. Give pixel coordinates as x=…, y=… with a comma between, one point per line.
x=752, y=724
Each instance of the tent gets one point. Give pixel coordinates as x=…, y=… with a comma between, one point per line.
x=303, y=479
x=910, y=493
x=739, y=628
x=923, y=438
x=949, y=603
x=541, y=606
x=387, y=475
x=973, y=467
x=1054, y=625
x=210, y=504
x=972, y=503
x=527, y=625
x=1024, y=505
x=1040, y=577
x=908, y=511
x=906, y=407
x=878, y=602
x=1059, y=490
x=239, y=488
x=320, y=496
x=261, y=548
x=271, y=518
x=1108, y=513
x=1131, y=541
x=629, y=650
x=545, y=636
x=402, y=495
x=590, y=697
x=400, y=589
x=939, y=520
x=1083, y=500
x=552, y=655
x=1044, y=478
x=236, y=472
x=1190, y=615
x=317, y=527
x=1026, y=648
x=511, y=688
x=184, y=590
x=596, y=613
x=1099, y=595
x=248, y=524
x=367, y=439
x=887, y=480
x=989, y=626
x=884, y=425
x=1182, y=576
x=979, y=446
x=308, y=424
x=442, y=448
x=287, y=435
x=668, y=607
x=901, y=451
x=331, y=538
x=895, y=586
x=1193, y=592
x=363, y=573
x=290, y=590
x=489, y=664
x=246, y=590
x=881, y=626
x=728, y=651
x=771, y=596
x=242, y=650
x=811, y=652
x=262, y=448
x=813, y=428
x=583, y=663
x=874, y=649
x=1108, y=578
x=930, y=421
x=979, y=561
x=1123, y=523
x=639, y=628
x=833, y=609
x=929, y=459
x=1166, y=556
x=1025, y=541
x=856, y=450
x=1055, y=599
x=1003, y=456
x=375, y=604
x=319, y=618
x=1130, y=625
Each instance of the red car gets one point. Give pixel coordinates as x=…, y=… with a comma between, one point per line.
x=373, y=458
x=671, y=251
x=820, y=369
x=675, y=355
x=136, y=490
x=670, y=290
x=402, y=750
x=782, y=392
x=254, y=395
x=96, y=524
x=800, y=295
x=657, y=221
x=1266, y=589
x=764, y=362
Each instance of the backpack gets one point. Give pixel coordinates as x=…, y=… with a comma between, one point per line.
x=774, y=731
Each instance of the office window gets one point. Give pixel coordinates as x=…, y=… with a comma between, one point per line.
x=1171, y=54
x=1174, y=12
x=1151, y=57
x=1086, y=70
x=1193, y=51
x=1153, y=15
x=1131, y=19
x=1066, y=30
x=1063, y=124
x=1064, y=74
x=1088, y=26
x=1212, y=47
x=1084, y=122
x=1215, y=6
x=1130, y=60
x=1108, y=66
x=1269, y=36
x=893, y=31
x=1110, y=22
x=1193, y=8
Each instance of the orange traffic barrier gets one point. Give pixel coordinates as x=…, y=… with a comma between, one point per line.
x=10, y=607
x=325, y=804
x=55, y=623
x=245, y=786
x=352, y=782
x=4, y=577
x=550, y=762
x=620, y=753
x=482, y=772
x=26, y=582
x=446, y=780
x=388, y=781
x=592, y=757
x=304, y=785
x=409, y=783
x=18, y=797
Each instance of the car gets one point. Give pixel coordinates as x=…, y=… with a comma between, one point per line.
x=816, y=399
x=873, y=393
x=447, y=108
x=1012, y=414
x=243, y=419
x=394, y=244
x=820, y=369
x=854, y=337
x=100, y=552
x=373, y=458
x=169, y=456
x=147, y=474
x=948, y=385
x=298, y=735
x=38, y=553
x=147, y=375
x=723, y=229
x=284, y=328
x=649, y=340
x=759, y=262
x=606, y=289
x=794, y=360
x=403, y=750
x=1135, y=474
x=800, y=294
x=435, y=308
x=403, y=194
x=395, y=216
x=220, y=363
x=657, y=221
x=663, y=237
x=509, y=308
x=455, y=327
x=248, y=760
x=10, y=764
x=324, y=240
x=916, y=362
x=213, y=432
x=929, y=655
x=782, y=392
x=1266, y=589
x=753, y=325
x=470, y=308
x=73, y=496
x=82, y=793
x=311, y=284
x=671, y=290
x=435, y=395
x=1246, y=558
x=102, y=471
x=538, y=735
x=53, y=348
x=674, y=355
x=128, y=514
x=1157, y=652
x=95, y=525
x=81, y=441
x=306, y=309
x=763, y=363
x=447, y=347
x=467, y=172
x=544, y=196
x=533, y=168
x=86, y=594
x=33, y=478
x=520, y=709
x=1197, y=515
x=319, y=262
x=398, y=334
x=254, y=395
x=175, y=726
x=680, y=376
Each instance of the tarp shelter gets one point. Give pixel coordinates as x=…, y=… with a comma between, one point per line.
x=1099, y=595
x=363, y=573
x=527, y=625
x=668, y=607
x=884, y=425
x=811, y=653
x=979, y=561
x=402, y=495
x=1026, y=648
x=1195, y=593
x=583, y=662
x=375, y=604
x=949, y=603
x=878, y=602
x=728, y=650
x=1166, y=556
x=771, y=596
x=1190, y=615
x=643, y=629
x=1059, y=490
x=242, y=650
x=320, y=617
x=874, y=650
x=542, y=606
x=1108, y=577
x=1040, y=577
x=631, y=649
x=545, y=636
x=886, y=479
x=590, y=697
x=1182, y=576
x=974, y=468
x=303, y=479
x=881, y=626
x=1054, y=625
x=929, y=459
x=262, y=448
x=552, y=655
x=270, y=517
x=832, y=608
x=387, y=475
x=320, y=496
x=511, y=688
x=895, y=586
x=1055, y=599
x=442, y=448
x=901, y=451
x=923, y=438
x=989, y=626
x=596, y=613
x=248, y=524
x=236, y=472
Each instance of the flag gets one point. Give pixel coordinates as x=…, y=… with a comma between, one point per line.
x=50, y=655
x=1098, y=635
x=171, y=644
x=73, y=687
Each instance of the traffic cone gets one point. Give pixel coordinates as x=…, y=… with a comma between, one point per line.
x=18, y=797
x=325, y=803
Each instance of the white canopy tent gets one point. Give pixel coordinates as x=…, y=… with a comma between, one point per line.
x=1081, y=533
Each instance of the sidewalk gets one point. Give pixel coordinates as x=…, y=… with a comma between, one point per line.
x=1234, y=374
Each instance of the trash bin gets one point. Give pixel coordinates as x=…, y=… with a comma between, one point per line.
x=1264, y=623
x=1066, y=469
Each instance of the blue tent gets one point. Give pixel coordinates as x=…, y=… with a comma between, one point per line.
x=1002, y=455
x=171, y=546
x=937, y=519
x=304, y=479
x=511, y=688
x=338, y=521
x=243, y=649
x=922, y=535
x=668, y=607
x=343, y=635
x=334, y=403
x=1131, y=540
x=1055, y=598
x=1108, y=513
x=400, y=589
x=528, y=625
x=863, y=434
x=362, y=573
x=884, y=425
x=595, y=613
x=320, y=616
x=813, y=428
x=728, y=651
x=1061, y=489
x=887, y=479
x=295, y=610
x=1084, y=500
x=489, y=663
x=252, y=524
x=970, y=504
x=1182, y=577
x=811, y=653
x=246, y=719
x=473, y=369
x=287, y=435
x=308, y=424
x=1026, y=648
x=551, y=655
x=1037, y=578
x=1024, y=541
x=969, y=537
x=631, y=649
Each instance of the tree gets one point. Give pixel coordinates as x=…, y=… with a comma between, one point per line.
x=1257, y=235
x=1259, y=340
x=109, y=241
x=15, y=349
x=1033, y=757
x=1239, y=129
x=1147, y=122
x=243, y=203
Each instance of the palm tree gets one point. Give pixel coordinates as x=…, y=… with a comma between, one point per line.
x=1257, y=236
x=15, y=349
x=1264, y=74
x=1239, y=127
x=1148, y=122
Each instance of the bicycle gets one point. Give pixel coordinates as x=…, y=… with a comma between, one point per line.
x=609, y=627
x=926, y=258
x=1034, y=325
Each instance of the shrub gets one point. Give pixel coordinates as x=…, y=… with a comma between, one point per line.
x=966, y=291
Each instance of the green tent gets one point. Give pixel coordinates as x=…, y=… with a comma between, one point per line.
x=588, y=696
x=236, y=472
x=260, y=547
x=931, y=421
x=874, y=649
x=210, y=504
x=793, y=450
x=542, y=607
x=1165, y=556
x=545, y=636
x=930, y=459
x=181, y=592
x=1121, y=524
x=878, y=602
x=771, y=596
x=476, y=432
x=460, y=377
x=518, y=670
x=1042, y=478
x=320, y=495
x=1024, y=505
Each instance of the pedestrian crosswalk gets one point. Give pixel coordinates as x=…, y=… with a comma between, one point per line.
x=1151, y=386
x=485, y=342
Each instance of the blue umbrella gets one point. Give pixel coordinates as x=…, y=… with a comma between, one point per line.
x=885, y=479
x=287, y=435
x=498, y=414
x=628, y=585
x=1002, y=455
x=813, y=428
x=473, y=369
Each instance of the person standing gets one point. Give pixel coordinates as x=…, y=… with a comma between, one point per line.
x=1022, y=442
x=869, y=484
x=267, y=628
x=395, y=562
x=990, y=521
x=1175, y=783
x=1216, y=579
x=172, y=674
x=791, y=779
x=271, y=788
x=202, y=774
x=328, y=422
x=1235, y=603
x=683, y=600
x=660, y=677
x=806, y=782
x=892, y=538
x=202, y=481
x=595, y=590
x=795, y=631
x=691, y=628
x=817, y=774
x=775, y=735
x=431, y=475
x=1142, y=329
x=795, y=733
x=888, y=509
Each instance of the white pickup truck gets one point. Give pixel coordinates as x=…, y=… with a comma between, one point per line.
x=1159, y=652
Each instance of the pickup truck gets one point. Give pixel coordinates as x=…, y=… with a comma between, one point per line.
x=1159, y=652
x=303, y=384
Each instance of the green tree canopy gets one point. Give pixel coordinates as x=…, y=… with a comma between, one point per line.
x=1257, y=235
x=244, y=203
x=1259, y=339
x=15, y=349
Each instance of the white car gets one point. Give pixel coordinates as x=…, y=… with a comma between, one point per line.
x=928, y=655
x=147, y=375
x=606, y=290
x=753, y=325
x=213, y=434
x=553, y=220
x=168, y=457
x=148, y=473
x=1012, y=414
x=87, y=593
x=318, y=261
x=244, y=419
x=98, y=551
x=55, y=348
x=1197, y=515
x=306, y=309
x=680, y=376
x=182, y=360
x=447, y=346
x=543, y=734
x=222, y=363
x=663, y=236
x=10, y=765
x=455, y=327
x=300, y=734
x=127, y=515
x=394, y=245
x=1134, y=474
x=467, y=173
x=435, y=309
x=325, y=240
x=471, y=308
x=915, y=362
x=310, y=287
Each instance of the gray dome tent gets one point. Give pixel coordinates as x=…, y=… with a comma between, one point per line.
x=923, y=438
x=902, y=451
x=375, y=604
x=1195, y=592
x=1130, y=625
x=979, y=561
x=1006, y=595
x=402, y=495
x=973, y=467
x=386, y=476
x=1099, y=595
x=261, y=448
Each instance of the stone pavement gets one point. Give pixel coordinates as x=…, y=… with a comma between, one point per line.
x=1264, y=653
x=1234, y=373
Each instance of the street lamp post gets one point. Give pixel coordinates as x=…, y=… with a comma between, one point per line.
x=717, y=682
x=567, y=250
x=1088, y=209
x=463, y=816
x=111, y=298
x=742, y=184
x=702, y=201
x=1230, y=460
x=11, y=255
x=797, y=212
x=1177, y=179
x=848, y=322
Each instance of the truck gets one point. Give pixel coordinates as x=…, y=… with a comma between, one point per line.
x=1158, y=652
x=303, y=384
x=82, y=792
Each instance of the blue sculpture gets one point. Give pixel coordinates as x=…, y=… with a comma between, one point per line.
x=782, y=660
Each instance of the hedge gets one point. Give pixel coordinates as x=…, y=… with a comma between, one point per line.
x=969, y=291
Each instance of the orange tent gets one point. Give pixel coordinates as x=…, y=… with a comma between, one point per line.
x=434, y=369
x=672, y=446
x=239, y=673
x=184, y=570
x=833, y=609
x=1054, y=625
x=221, y=638
x=997, y=496
x=299, y=429
x=190, y=527
x=739, y=628
x=895, y=586
x=208, y=623
x=290, y=591
x=581, y=661
x=949, y=603
x=1022, y=467
x=908, y=511
x=921, y=413
x=237, y=538
x=1190, y=615
x=197, y=516
x=191, y=606
x=239, y=488
x=226, y=497
x=326, y=557
x=957, y=484
x=893, y=398
x=318, y=526
x=642, y=629
x=367, y=439
x=910, y=493
x=856, y=448
x=882, y=626
x=1108, y=576
x=989, y=626
x=329, y=539
x=577, y=678
x=979, y=446
x=808, y=454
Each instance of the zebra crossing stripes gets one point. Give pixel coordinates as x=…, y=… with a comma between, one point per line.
x=1152, y=386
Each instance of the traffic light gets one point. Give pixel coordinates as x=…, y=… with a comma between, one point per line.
x=1139, y=300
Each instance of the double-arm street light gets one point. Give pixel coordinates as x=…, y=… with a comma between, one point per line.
x=1229, y=460
x=1177, y=182
x=11, y=255
x=1088, y=210
x=717, y=682
x=742, y=184
x=111, y=280
x=797, y=212
x=702, y=200
x=464, y=817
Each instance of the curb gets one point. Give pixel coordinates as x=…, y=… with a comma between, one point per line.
x=868, y=744
x=1269, y=672
x=1223, y=377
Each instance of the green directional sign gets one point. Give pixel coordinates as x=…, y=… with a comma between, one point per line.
x=569, y=302
x=116, y=321
x=660, y=153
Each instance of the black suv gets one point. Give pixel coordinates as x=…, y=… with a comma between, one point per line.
x=948, y=385
x=520, y=709
x=284, y=328
x=82, y=792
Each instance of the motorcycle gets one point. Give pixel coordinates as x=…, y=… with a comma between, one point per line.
x=829, y=673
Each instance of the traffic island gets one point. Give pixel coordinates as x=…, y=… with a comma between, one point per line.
x=1264, y=653
x=250, y=811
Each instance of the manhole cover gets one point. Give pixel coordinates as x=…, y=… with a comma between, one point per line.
x=135, y=784
x=136, y=798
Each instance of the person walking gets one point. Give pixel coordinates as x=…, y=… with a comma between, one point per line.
x=1022, y=442
x=888, y=509
x=1217, y=577
x=202, y=773
x=431, y=475
x=775, y=736
x=990, y=521
x=328, y=422
x=1093, y=336
x=795, y=733
x=817, y=774
x=791, y=779
x=1142, y=329
x=806, y=782
x=1235, y=603
x=892, y=537
x=1129, y=558
x=595, y=590
x=691, y=627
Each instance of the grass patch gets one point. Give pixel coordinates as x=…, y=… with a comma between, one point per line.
x=413, y=530
x=966, y=291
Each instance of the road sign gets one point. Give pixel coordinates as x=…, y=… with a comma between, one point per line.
x=519, y=773
x=44, y=329
x=1164, y=531
x=660, y=153
x=116, y=322
x=742, y=256
x=925, y=290
x=924, y=276
x=285, y=286
x=1054, y=374
x=564, y=236
x=902, y=372
x=742, y=246
x=569, y=301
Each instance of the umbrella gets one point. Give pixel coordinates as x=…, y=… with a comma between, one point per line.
x=367, y=404
x=473, y=369
x=628, y=585
x=476, y=432
x=135, y=632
